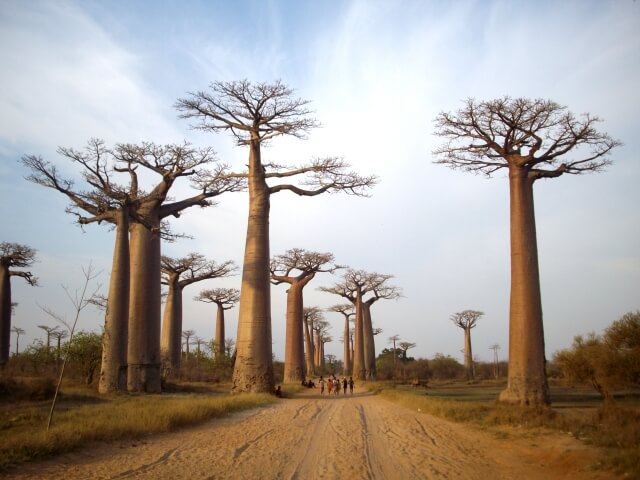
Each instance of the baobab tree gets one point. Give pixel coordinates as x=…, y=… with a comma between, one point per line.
x=466, y=320
x=347, y=312
x=255, y=114
x=134, y=290
x=177, y=274
x=225, y=299
x=12, y=256
x=496, y=364
x=532, y=139
x=393, y=339
x=310, y=315
x=405, y=346
x=187, y=334
x=18, y=331
x=297, y=267
x=50, y=331
x=354, y=286
x=321, y=333
x=59, y=336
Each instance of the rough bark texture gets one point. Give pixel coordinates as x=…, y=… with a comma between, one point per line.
x=294, y=371
x=144, y=310
x=220, y=333
x=468, y=354
x=253, y=370
x=309, y=350
x=359, y=367
x=5, y=313
x=170, y=344
x=113, y=373
x=369, y=342
x=527, y=381
x=347, y=367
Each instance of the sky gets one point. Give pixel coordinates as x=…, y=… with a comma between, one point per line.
x=377, y=74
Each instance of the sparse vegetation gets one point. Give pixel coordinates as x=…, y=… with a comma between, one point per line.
x=83, y=416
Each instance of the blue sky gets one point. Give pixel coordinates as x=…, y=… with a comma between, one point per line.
x=377, y=73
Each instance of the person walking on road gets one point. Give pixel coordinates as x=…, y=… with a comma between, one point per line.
x=321, y=382
x=351, y=384
x=344, y=385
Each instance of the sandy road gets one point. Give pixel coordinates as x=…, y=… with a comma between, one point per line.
x=314, y=437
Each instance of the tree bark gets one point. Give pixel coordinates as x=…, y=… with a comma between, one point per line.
x=253, y=370
x=220, y=334
x=468, y=355
x=113, y=373
x=144, y=309
x=309, y=353
x=369, y=346
x=527, y=381
x=359, y=367
x=347, y=349
x=294, y=349
x=5, y=314
x=171, y=341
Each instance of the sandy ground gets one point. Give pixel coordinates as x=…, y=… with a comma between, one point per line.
x=313, y=437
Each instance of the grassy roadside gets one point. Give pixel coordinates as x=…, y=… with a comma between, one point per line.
x=84, y=417
x=616, y=429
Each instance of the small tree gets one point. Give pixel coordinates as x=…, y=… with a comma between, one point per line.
x=18, y=331
x=225, y=299
x=467, y=320
x=532, y=139
x=85, y=354
x=347, y=312
x=12, y=256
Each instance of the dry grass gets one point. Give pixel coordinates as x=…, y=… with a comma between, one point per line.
x=616, y=429
x=83, y=418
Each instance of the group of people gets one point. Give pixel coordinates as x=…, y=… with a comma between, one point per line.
x=333, y=385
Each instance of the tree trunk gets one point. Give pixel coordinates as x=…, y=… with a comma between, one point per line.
x=359, y=368
x=527, y=381
x=171, y=341
x=5, y=314
x=144, y=309
x=318, y=351
x=113, y=372
x=253, y=370
x=294, y=350
x=309, y=353
x=369, y=342
x=219, y=341
x=468, y=356
x=347, y=350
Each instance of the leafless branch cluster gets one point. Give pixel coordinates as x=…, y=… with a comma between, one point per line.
x=306, y=262
x=484, y=137
x=18, y=255
x=225, y=298
x=466, y=319
x=194, y=268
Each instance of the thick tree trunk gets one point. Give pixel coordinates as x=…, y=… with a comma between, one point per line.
x=369, y=342
x=5, y=314
x=253, y=370
x=220, y=334
x=171, y=340
x=527, y=381
x=347, y=350
x=309, y=353
x=294, y=350
x=359, y=367
x=113, y=372
x=468, y=355
x=144, y=309
x=318, y=352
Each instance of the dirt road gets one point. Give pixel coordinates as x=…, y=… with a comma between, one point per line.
x=314, y=437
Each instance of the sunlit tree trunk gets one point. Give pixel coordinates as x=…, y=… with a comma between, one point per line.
x=527, y=382
x=347, y=350
x=144, y=309
x=253, y=370
x=309, y=351
x=468, y=355
x=294, y=349
x=170, y=345
x=5, y=314
x=220, y=334
x=359, y=367
x=113, y=373
x=369, y=342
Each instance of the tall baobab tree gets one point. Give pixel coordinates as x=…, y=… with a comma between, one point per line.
x=12, y=256
x=310, y=315
x=531, y=139
x=50, y=331
x=134, y=290
x=225, y=299
x=496, y=365
x=59, y=336
x=18, y=331
x=178, y=274
x=187, y=334
x=393, y=339
x=297, y=267
x=321, y=334
x=354, y=286
x=405, y=346
x=466, y=320
x=347, y=312
x=255, y=114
